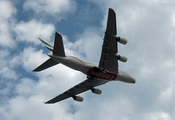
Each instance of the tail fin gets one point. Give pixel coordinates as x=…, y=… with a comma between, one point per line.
x=58, y=50
x=58, y=46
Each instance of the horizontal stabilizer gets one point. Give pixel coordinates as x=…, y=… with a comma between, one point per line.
x=49, y=63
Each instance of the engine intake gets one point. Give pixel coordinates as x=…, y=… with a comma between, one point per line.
x=78, y=98
x=96, y=91
x=122, y=40
x=122, y=58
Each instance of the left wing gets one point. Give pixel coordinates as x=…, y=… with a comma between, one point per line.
x=81, y=87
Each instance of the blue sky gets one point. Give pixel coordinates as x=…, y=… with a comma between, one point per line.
x=149, y=26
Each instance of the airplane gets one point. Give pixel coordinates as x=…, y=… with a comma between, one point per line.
x=97, y=74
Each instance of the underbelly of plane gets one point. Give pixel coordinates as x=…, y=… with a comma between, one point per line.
x=101, y=74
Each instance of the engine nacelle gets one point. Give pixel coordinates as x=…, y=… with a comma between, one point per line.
x=122, y=40
x=122, y=58
x=96, y=91
x=78, y=98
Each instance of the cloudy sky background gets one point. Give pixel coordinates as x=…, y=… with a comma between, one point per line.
x=149, y=26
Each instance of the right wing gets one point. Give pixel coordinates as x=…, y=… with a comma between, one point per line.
x=81, y=87
x=108, y=58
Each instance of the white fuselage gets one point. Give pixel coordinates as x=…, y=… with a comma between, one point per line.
x=87, y=68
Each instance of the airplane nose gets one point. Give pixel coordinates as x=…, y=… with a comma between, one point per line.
x=125, y=77
x=133, y=79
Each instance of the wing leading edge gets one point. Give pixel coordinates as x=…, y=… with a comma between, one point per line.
x=81, y=87
x=108, y=58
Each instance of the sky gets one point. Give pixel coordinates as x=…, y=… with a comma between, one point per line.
x=149, y=27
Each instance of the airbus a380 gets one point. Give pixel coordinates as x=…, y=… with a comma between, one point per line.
x=97, y=74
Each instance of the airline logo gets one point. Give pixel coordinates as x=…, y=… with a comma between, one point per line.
x=102, y=74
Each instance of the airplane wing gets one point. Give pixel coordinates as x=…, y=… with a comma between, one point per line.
x=108, y=58
x=81, y=87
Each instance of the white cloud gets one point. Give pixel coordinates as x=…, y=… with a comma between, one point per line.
x=173, y=19
x=7, y=70
x=88, y=44
x=20, y=107
x=30, y=58
x=7, y=8
x=31, y=30
x=52, y=7
x=7, y=11
x=7, y=73
x=3, y=56
x=157, y=116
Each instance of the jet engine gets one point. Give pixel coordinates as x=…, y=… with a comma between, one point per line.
x=78, y=98
x=122, y=40
x=122, y=58
x=96, y=91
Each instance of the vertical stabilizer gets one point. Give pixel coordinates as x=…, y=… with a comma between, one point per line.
x=58, y=46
